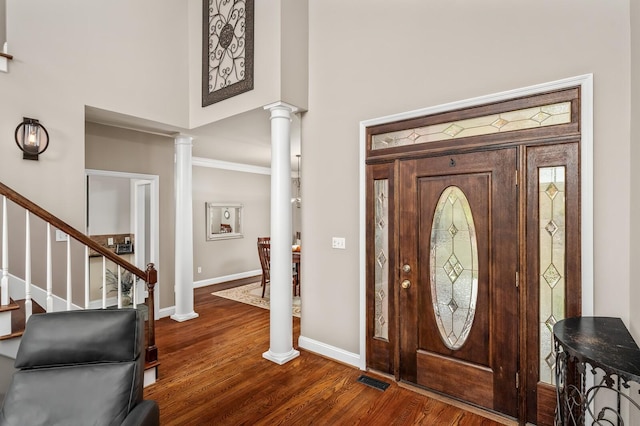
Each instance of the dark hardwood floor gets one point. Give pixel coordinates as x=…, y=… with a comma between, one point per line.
x=212, y=373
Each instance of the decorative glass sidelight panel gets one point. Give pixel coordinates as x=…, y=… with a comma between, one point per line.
x=381, y=253
x=528, y=118
x=552, y=263
x=454, y=267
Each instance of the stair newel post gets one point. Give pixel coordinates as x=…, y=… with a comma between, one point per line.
x=28, y=308
x=152, y=279
x=4, y=281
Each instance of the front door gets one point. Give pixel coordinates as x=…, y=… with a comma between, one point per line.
x=458, y=255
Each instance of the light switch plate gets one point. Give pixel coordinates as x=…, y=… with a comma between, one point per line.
x=338, y=243
x=61, y=236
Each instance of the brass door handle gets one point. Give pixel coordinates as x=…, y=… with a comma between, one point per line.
x=405, y=284
x=406, y=268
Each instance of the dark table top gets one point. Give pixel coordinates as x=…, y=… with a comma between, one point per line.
x=601, y=341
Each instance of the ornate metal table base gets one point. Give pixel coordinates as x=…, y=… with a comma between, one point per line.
x=601, y=347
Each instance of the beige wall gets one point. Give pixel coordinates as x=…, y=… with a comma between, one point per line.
x=3, y=23
x=120, y=150
x=368, y=60
x=227, y=257
x=634, y=158
x=124, y=56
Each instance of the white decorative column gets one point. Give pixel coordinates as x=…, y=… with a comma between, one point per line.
x=184, y=231
x=281, y=290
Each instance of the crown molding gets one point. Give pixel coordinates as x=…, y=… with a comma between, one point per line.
x=227, y=165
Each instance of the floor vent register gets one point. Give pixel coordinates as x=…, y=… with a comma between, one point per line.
x=374, y=383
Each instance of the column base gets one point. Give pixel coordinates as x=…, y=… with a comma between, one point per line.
x=281, y=358
x=184, y=317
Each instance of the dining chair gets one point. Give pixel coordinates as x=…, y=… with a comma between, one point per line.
x=264, y=253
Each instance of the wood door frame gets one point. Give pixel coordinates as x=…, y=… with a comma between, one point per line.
x=585, y=84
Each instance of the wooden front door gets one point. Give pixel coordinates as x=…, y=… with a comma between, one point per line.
x=458, y=257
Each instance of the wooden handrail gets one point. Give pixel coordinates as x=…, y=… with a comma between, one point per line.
x=6, y=55
x=69, y=230
x=149, y=276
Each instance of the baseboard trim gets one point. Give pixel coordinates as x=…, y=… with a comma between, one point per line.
x=166, y=312
x=329, y=351
x=225, y=278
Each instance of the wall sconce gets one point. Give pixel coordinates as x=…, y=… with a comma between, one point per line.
x=30, y=139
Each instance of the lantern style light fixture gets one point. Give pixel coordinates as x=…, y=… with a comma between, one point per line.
x=32, y=138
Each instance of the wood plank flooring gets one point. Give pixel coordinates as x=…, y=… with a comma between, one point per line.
x=212, y=373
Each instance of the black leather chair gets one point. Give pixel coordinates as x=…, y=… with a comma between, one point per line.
x=80, y=368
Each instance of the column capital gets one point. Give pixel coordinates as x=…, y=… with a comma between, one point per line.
x=183, y=140
x=281, y=106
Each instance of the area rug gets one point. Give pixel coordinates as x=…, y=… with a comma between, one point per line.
x=251, y=295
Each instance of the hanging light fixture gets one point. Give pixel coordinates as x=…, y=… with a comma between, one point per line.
x=297, y=200
x=32, y=138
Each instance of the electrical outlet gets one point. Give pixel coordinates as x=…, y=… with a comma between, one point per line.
x=199, y=269
x=338, y=243
x=109, y=241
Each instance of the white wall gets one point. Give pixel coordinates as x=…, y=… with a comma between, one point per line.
x=368, y=60
x=109, y=205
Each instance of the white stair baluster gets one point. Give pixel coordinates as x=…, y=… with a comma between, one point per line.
x=134, y=290
x=119, y=287
x=4, y=280
x=69, y=291
x=28, y=308
x=104, y=282
x=49, y=271
x=86, y=277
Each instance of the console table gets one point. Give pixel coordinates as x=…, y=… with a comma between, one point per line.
x=613, y=357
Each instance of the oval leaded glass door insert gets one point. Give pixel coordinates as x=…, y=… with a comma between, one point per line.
x=454, y=267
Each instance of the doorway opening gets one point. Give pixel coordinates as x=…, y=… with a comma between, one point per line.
x=125, y=206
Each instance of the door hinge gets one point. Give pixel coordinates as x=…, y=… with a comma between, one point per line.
x=517, y=279
x=517, y=380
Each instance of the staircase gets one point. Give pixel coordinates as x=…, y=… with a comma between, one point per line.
x=21, y=296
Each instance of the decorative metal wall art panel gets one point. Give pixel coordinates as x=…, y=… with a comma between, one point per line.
x=551, y=200
x=227, y=49
x=381, y=253
x=529, y=118
x=454, y=267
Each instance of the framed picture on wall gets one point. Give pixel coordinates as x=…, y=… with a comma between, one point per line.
x=223, y=221
x=227, y=49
